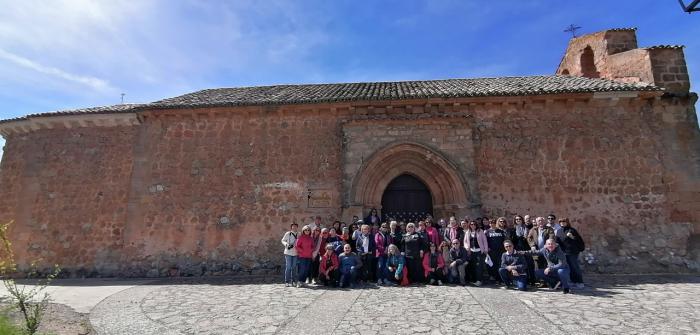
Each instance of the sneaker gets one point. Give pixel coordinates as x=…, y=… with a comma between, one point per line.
x=580, y=286
x=504, y=287
x=386, y=282
x=556, y=287
x=432, y=282
x=477, y=283
x=379, y=282
x=313, y=281
x=299, y=284
x=566, y=291
x=286, y=284
x=439, y=282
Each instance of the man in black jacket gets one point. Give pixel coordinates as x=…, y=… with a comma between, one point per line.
x=458, y=267
x=513, y=267
x=572, y=244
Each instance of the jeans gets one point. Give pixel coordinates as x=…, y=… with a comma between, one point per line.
x=304, y=267
x=530, y=269
x=290, y=268
x=348, y=276
x=508, y=279
x=561, y=275
x=382, y=270
x=576, y=273
x=457, y=273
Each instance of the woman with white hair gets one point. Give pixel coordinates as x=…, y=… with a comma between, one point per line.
x=395, y=264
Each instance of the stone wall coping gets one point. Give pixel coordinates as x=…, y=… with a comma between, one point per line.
x=30, y=123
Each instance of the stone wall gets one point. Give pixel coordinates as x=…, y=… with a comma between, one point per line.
x=211, y=191
x=215, y=193
x=605, y=164
x=66, y=190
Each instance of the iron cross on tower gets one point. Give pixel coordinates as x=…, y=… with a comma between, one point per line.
x=572, y=29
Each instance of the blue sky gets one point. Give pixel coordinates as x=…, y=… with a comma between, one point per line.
x=69, y=54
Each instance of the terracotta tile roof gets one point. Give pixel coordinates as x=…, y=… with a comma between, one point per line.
x=322, y=93
x=665, y=46
x=122, y=108
x=449, y=88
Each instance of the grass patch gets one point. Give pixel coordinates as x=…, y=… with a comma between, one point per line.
x=7, y=327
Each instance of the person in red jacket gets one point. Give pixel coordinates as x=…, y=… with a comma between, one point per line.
x=328, y=270
x=305, y=249
x=433, y=265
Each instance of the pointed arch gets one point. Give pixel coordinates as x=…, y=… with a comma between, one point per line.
x=439, y=174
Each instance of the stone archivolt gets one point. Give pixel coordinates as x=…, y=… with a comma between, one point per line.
x=436, y=171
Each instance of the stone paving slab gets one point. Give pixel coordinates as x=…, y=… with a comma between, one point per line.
x=615, y=304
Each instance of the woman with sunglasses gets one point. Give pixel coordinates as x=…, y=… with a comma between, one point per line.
x=413, y=249
x=305, y=248
x=477, y=249
x=433, y=265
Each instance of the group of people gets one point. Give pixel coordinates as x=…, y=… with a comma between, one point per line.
x=515, y=253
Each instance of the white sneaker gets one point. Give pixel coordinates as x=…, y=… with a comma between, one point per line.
x=439, y=282
x=477, y=283
x=313, y=281
x=432, y=282
x=379, y=282
x=299, y=284
x=286, y=284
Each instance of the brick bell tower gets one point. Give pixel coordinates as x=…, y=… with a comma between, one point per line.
x=614, y=54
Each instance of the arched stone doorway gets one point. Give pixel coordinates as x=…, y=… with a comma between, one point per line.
x=441, y=177
x=406, y=198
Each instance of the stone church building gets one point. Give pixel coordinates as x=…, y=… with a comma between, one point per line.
x=206, y=183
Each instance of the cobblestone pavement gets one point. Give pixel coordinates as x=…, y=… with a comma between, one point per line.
x=612, y=305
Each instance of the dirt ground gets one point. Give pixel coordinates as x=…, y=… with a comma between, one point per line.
x=58, y=320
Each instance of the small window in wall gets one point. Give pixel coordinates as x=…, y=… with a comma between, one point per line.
x=565, y=72
x=588, y=68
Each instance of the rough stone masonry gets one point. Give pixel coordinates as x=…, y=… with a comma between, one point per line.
x=206, y=183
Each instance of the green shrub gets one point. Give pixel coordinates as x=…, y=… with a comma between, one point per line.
x=7, y=327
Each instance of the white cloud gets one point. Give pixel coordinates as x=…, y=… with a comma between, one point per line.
x=91, y=82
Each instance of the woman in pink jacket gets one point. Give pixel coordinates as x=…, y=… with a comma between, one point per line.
x=433, y=265
x=305, y=250
x=477, y=249
x=432, y=232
